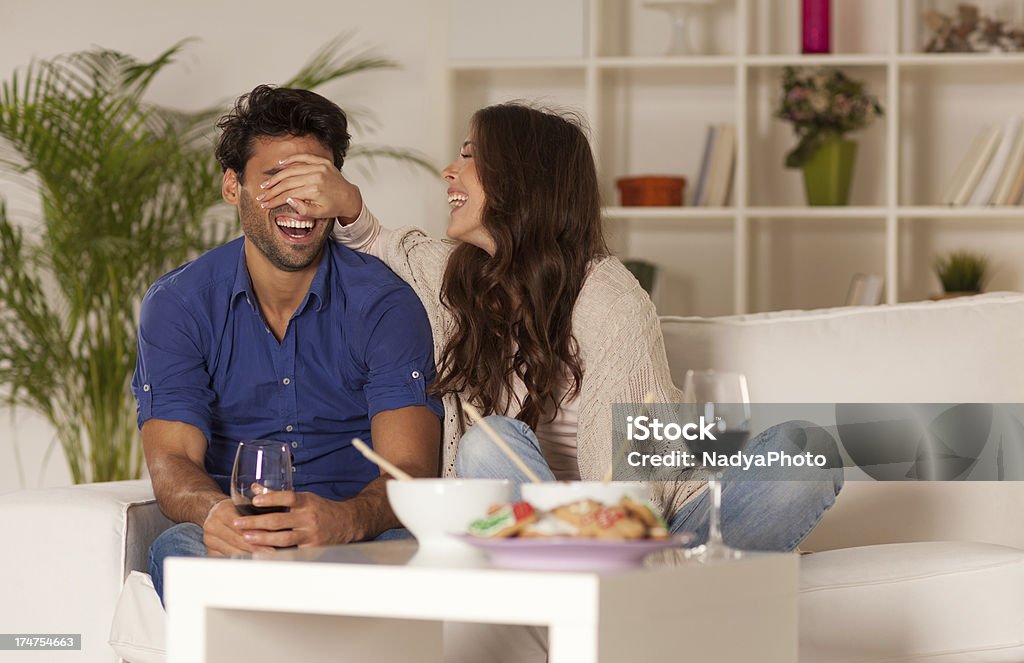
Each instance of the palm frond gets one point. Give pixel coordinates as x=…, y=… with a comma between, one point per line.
x=337, y=59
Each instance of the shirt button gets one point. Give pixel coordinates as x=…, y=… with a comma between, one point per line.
x=295, y=445
x=415, y=375
x=294, y=469
x=289, y=429
x=286, y=381
x=145, y=387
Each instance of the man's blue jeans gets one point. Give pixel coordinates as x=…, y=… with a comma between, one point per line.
x=186, y=540
x=758, y=512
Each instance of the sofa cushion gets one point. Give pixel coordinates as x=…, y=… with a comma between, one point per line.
x=139, y=631
x=955, y=351
x=941, y=601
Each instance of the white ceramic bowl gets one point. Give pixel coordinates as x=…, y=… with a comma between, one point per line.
x=433, y=508
x=551, y=494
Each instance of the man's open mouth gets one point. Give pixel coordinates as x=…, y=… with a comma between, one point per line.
x=295, y=228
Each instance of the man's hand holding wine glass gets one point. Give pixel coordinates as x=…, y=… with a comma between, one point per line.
x=303, y=520
x=220, y=534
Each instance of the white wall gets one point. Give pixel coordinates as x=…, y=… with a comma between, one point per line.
x=241, y=45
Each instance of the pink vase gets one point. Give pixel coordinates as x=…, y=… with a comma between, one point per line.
x=816, y=26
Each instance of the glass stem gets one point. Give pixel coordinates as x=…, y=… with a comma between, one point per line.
x=715, y=517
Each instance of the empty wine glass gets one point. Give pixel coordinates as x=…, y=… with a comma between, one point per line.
x=260, y=466
x=720, y=397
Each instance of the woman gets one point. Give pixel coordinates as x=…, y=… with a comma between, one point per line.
x=534, y=322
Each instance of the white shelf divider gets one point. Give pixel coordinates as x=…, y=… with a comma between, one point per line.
x=946, y=212
x=829, y=60
x=669, y=212
x=892, y=148
x=667, y=62
x=838, y=212
x=740, y=235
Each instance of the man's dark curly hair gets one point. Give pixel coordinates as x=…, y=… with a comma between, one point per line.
x=280, y=111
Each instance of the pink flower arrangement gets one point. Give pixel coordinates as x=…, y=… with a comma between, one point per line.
x=823, y=104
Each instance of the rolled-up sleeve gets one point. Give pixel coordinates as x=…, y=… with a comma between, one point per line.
x=171, y=380
x=399, y=354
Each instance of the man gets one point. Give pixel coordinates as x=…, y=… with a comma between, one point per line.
x=280, y=334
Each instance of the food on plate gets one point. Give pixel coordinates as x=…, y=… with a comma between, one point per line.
x=629, y=520
x=504, y=520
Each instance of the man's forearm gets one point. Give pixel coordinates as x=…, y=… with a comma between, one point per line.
x=184, y=492
x=371, y=511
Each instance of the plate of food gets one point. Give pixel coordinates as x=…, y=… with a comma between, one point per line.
x=583, y=535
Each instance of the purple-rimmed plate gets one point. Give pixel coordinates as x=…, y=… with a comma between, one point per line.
x=571, y=553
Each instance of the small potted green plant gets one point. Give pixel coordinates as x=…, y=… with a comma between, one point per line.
x=961, y=273
x=824, y=105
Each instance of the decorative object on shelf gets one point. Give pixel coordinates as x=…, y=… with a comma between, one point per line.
x=128, y=191
x=824, y=105
x=865, y=290
x=961, y=273
x=991, y=172
x=816, y=21
x=651, y=190
x=717, y=164
x=645, y=272
x=970, y=32
x=679, y=11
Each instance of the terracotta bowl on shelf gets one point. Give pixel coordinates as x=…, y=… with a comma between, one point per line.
x=651, y=190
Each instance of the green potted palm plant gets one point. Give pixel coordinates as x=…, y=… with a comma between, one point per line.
x=127, y=191
x=824, y=105
x=961, y=273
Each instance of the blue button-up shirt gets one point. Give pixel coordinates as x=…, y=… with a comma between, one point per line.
x=359, y=343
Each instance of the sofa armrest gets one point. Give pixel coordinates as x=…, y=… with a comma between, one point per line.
x=66, y=553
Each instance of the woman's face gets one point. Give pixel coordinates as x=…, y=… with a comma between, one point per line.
x=466, y=199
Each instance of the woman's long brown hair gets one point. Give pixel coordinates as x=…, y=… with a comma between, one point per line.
x=513, y=310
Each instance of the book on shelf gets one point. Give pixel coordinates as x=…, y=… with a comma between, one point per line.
x=722, y=161
x=865, y=290
x=1017, y=193
x=977, y=160
x=963, y=169
x=990, y=179
x=699, y=191
x=1008, y=178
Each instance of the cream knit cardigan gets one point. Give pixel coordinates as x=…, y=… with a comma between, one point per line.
x=615, y=325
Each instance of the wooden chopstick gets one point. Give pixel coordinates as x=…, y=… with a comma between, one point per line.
x=381, y=462
x=475, y=415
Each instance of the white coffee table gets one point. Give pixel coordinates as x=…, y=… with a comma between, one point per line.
x=386, y=602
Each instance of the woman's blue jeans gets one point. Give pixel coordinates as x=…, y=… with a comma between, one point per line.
x=759, y=512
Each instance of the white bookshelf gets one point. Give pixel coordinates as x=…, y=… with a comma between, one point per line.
x=648, y=113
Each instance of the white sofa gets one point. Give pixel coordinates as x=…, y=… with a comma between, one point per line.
x=957, y=592
x=921, y=571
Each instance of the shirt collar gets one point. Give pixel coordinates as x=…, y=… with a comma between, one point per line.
x=317, y=288
x=243, y=283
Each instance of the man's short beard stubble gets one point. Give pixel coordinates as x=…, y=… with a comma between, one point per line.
x=259, y=228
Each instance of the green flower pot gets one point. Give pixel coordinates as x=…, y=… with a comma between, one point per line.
x=828, y=172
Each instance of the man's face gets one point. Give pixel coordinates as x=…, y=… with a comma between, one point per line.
x=291, y=242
